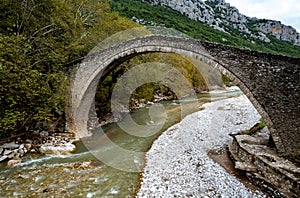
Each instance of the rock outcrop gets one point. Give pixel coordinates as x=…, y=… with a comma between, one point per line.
x=279, y=30
x=224, y=17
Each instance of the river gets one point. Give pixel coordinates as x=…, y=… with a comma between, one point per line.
x=82, y=174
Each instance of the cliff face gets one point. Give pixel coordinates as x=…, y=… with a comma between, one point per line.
x=280, y=31
x=224, y=17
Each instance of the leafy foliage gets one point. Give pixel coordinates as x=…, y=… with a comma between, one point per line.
x=39, y=41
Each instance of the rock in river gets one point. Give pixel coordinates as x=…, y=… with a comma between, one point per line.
x=13, y=162
x=11, y=146
x=57, y=149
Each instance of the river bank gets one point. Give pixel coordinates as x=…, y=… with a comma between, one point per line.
x=178, y=165
x=13, y=149
x=83, y=174
x=38, y=142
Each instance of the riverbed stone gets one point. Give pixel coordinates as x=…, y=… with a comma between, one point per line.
x=21, y=152
x=62, y=149
x=16, y=156
x=11, y=145
x=1, y=150
x=14, y=162
x=28, y=146
x=7, y=152
x=11, y=155
x=44, y=134
x=28, y=141
x=21, y=146
x=2, y=158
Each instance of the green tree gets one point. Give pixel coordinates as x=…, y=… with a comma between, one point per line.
x=39, y=42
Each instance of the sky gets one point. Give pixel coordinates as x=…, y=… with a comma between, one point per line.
x=286, y=11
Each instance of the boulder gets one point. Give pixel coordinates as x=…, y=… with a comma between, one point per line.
x=11, y=146
x=2, y=158
x=62, y=149
x=21, y=146
x=11, y=155
x=21, y=152
x=7, y=152
x=28, y=146
x=13, y=162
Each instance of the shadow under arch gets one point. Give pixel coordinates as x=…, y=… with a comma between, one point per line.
x=81, y=108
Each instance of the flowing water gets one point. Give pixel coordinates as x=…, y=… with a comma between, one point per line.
x=86, y=173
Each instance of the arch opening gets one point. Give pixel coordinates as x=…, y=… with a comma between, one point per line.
x=153, y=91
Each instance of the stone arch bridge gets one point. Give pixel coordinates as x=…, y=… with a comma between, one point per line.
x=271, y=82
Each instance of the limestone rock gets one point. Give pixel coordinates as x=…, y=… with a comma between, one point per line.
x=219, y=14
x=28, y=146
x=21, y=146
x=7, y=152
x=21, y=152
x=11, y=145
x=280, y=31
x=13, y=162
x=2, y=158
x=62, y=149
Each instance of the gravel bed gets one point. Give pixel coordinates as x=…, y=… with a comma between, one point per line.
x=177, y=165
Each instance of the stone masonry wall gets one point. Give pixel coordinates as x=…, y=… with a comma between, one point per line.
x=274, y=81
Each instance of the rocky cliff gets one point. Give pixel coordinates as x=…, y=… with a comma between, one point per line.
x=224, y=17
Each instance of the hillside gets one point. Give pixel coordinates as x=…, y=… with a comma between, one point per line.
x=214, y=21
x=219, y=15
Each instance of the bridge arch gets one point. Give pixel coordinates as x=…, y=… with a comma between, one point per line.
x=85, y=81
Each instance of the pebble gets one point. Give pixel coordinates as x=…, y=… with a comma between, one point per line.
x=1, y=150
x=16, y=156
x=28, y=141
x=44, y=134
